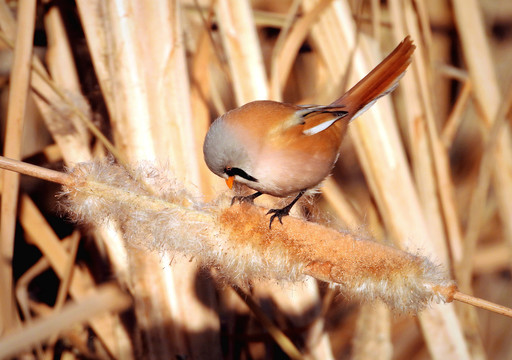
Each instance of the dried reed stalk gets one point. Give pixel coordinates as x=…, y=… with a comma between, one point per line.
x=45, y=239
x=73, y=142
x=286, y=51
x=486, y=89
x=430, y=163
x=140, y=64
x=20, y=79
x=243, y=51
x=483, y=77
x=384, y=162
x=106, y=298
x=53, y=104
x=372, y=333
x=151, y=113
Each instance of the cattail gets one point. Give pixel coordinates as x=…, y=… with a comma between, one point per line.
x=236, y=239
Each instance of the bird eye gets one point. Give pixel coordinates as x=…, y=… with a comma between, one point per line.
x=231, y=171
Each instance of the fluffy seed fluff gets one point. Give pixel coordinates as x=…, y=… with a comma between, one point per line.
x=172, y=221
x=404, y=291
x=155, y=212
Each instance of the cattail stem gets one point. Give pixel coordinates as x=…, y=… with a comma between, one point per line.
x=237, y=241
x=482, y=304
x=35, y=171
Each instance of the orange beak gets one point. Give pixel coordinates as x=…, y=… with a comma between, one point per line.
x=229, y=181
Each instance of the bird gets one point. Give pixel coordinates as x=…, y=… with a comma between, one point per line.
x=282, y=149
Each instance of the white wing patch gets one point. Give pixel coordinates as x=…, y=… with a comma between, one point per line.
x=320, y=127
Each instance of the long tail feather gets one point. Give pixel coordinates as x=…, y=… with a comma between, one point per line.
x=379, y=82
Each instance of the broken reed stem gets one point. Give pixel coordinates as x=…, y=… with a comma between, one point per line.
x=236, y=239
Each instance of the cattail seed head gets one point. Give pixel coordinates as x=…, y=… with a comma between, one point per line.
x=156, y=212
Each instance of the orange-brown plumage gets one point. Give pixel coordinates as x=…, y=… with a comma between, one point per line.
x=281, y=149
x=381, y=78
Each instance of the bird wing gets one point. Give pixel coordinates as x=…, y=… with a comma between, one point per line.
x=382, y=80
x=316, y=118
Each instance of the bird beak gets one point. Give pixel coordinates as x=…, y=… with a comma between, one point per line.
x=229, y=181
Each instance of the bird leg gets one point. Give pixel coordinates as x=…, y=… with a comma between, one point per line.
x=279, y=213
x=246, y=199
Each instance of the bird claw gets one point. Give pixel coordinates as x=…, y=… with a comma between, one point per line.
x=278, y=213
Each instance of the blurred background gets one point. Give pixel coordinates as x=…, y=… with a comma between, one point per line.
x=428, y=169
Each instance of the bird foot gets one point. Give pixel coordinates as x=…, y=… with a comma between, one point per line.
x=278, y=213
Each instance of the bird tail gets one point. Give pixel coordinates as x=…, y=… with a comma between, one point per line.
x=382, y=80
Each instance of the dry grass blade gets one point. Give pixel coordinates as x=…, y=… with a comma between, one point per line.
x=492, y=259
x=51, y=94
x=65, y=283
x=433, y=181
x=338, y=200
x=22, y=294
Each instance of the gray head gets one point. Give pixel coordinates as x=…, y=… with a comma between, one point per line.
x=225, y=153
